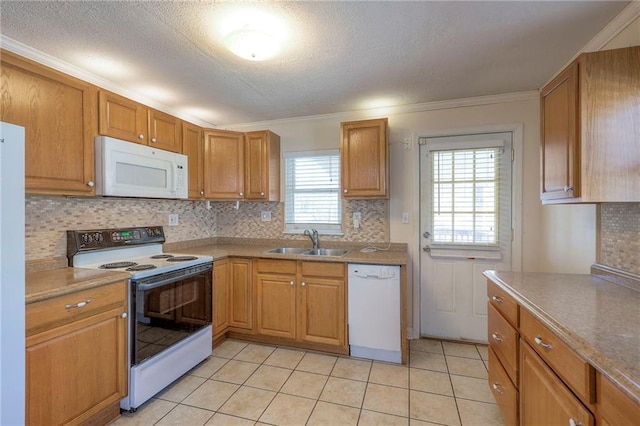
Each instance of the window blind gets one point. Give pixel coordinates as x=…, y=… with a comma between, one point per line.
x=312, y=191
x=466, y=196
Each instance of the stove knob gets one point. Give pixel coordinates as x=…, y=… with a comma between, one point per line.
x=158, y=231
x=86, y=238
x=98, y=237
x=149, y=232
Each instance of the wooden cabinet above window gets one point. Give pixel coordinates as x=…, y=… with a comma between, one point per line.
x=590, y=128
x=122, y=118
x=364, y=157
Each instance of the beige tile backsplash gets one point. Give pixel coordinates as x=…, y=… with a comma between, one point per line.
x=620, y=236
x=49, y=217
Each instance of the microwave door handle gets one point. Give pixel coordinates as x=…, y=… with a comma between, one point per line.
x=174, y=187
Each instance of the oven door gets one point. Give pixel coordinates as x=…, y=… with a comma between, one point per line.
x=169, y=308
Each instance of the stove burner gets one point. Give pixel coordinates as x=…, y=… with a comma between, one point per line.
x=116, y=265
x=140, y=268
x=162, y=256
x=182, y=258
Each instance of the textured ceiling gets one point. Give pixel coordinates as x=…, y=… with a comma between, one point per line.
x=340, y=56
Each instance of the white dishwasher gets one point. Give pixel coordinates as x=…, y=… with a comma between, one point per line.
x=374, y=312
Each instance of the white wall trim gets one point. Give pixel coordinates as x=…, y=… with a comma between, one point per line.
x=612, y=29
x=401, y=109
x=517, y=130
x=64, y=67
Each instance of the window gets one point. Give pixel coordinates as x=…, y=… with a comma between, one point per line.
x=466, y=191
x=312, y=191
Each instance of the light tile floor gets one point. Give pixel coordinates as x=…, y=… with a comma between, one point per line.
x=251, y=384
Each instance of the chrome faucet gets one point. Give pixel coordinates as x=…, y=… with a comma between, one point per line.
x=313, y=234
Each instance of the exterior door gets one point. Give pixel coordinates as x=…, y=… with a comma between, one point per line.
x=465, y=222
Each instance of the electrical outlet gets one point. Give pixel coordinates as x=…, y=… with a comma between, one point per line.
x=173, y=220
x=357, y=216
x=265, y=216
x=405, y=217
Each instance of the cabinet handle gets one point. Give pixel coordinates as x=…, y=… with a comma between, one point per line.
x=568, y=188
x=201, y=192
x=539, y=342
x=90, y=184
x=291, y=283
x=345, y=191
x=140, y=136
x=303, y=284
x=78, y=305
x=124, y=315
x=498, y=338
x=497, y=299
x=153, y=140
x=574, y=422
x=241, y=194
x=262, y=194
x=496, y=387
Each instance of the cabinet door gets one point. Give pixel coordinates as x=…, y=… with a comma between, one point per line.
x=193, y=148
x=262, y=166
x=223, y=165
x=58, y=113
x=276, y=305
x=364, y=159
x=560, y=137
x=241, y=304
x=165, y=131
x=220, y=296
x=75, y=371
x=544, y=399
x=614, y=406
x=321, y=313
x=122, y=118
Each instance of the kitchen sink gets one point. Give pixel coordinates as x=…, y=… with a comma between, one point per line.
x=288, y=250
x=326, y=252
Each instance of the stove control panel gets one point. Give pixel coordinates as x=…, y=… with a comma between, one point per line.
x=99, y=239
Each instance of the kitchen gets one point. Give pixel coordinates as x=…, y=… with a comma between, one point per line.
x=553, y=238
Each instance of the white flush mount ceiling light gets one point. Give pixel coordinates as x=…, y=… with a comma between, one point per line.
x=253, y=44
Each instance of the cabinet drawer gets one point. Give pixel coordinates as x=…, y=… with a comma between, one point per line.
x=271, y=266
x=503, y=303
x=54, y=312
x=576, y=372
x=323, y=269
x=503, y=340
x=614, y=407
x=505, y=394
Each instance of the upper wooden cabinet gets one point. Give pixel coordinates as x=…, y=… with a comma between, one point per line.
x=239, y=166
x=262, y=166
x=590, y=130
x=223, y=165
x=59, y=114
x=128, y=120
x=365, y=160
x=193, y=148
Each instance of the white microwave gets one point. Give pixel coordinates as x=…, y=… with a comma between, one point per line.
x=126, y=169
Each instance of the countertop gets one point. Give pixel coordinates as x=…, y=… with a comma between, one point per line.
x=600, y=320
x=44, y=285
x=219, y=251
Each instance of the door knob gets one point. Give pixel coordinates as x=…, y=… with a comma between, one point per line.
x=426, y=234
x=426, y=249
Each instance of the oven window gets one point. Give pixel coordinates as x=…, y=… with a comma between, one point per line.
x=167, y=314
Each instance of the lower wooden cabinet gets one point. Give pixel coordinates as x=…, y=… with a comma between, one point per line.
x=544, y=398
x=232, y=296
x=614, y=408
x=303, y=302
x=76, y=356
x=503, y=390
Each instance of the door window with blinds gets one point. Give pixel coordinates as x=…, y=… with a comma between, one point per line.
x=312, y=191
x=470, y=185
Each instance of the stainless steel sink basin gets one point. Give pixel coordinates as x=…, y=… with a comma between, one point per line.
x=288, y=250
x=326, y=252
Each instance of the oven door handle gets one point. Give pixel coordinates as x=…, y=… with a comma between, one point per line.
x=151, y=286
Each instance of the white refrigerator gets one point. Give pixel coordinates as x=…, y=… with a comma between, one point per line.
x=12, y=269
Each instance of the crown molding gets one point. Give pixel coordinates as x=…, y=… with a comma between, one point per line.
x=612, y=29
x=401, y=109
x=64, y=67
